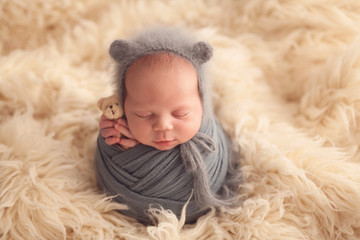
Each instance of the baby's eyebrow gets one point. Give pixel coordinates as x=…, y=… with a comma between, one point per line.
x=182, y=106
x=183, y=109
x=140, y=110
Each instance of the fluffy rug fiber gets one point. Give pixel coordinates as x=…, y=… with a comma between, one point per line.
x=286, y=87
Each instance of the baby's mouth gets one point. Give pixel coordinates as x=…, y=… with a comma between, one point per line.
x=164, y=142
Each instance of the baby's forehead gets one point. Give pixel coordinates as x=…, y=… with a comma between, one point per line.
x=161, y=59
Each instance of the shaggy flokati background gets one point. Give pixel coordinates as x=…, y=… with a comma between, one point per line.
x=286, y=87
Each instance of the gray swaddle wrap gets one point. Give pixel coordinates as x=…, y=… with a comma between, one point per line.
x=144, y=176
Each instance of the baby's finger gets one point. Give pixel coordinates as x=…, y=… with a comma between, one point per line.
x=128, y=143
x=106, y=124
x=124, y=131
x=112, y=140
x=109, y=132
x=103, y=117
x=123, y=122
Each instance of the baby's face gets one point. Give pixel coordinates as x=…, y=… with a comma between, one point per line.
x=163, y=106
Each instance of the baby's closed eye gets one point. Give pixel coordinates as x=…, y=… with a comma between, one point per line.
x=181, y=114
x=144, y=114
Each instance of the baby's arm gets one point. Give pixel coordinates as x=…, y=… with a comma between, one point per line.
x=111, y=130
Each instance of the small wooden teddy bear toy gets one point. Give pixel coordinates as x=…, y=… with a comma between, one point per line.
x=110, y=106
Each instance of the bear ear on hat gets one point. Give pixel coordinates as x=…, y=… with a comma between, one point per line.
x=202, y=52
x=120, y=49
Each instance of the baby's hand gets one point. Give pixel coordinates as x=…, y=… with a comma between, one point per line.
x=112, y=130
x=128, y=141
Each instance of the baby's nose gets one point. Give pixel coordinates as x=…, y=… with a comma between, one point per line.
x=162, y=124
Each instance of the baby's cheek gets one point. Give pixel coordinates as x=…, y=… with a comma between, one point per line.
x=132, y=126
x=138, y=130
x=189, y=130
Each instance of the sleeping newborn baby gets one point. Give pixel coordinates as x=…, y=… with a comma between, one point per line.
x=175, y=146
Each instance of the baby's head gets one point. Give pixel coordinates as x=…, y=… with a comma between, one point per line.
x=161, y=86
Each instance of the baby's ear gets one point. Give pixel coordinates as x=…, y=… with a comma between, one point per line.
x=120, y=49
x=202, y=52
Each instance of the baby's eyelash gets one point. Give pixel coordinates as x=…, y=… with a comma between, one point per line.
x=181, y=115
x=143, y=116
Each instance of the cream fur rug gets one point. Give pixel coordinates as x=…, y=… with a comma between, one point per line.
x=286, y=80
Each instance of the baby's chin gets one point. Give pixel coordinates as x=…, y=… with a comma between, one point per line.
x=163, y=145
x=165, y=148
